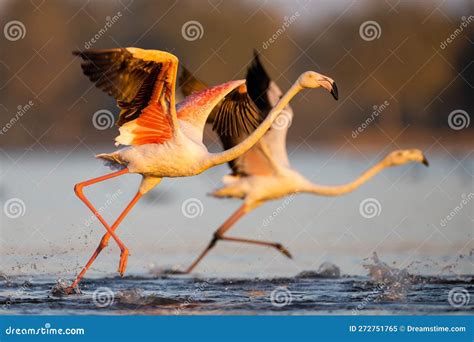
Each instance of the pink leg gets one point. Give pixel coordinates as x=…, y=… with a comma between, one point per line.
x=219, y=235
x=104, y=242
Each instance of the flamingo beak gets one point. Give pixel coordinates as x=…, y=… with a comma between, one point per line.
x=330, y=86
x=425, y=161
x=334, y=91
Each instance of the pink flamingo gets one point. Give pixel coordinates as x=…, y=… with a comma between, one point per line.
x=264, y=173
x=163, y=139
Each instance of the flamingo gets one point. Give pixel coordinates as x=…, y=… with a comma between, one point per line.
x=161, y=138
x=264, y=173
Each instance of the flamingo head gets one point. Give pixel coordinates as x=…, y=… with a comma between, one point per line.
x=400, y=157
x=311, y=79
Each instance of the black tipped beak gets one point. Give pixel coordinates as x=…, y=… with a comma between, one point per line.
x=425, y=162
x=334, y=91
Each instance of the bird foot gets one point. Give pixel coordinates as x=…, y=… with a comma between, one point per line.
x=283, y=250
x=123, y=262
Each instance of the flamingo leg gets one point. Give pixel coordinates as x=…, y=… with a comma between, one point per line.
x=219, y=235
x=104, y=242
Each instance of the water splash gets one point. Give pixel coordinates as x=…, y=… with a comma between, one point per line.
x=393, y=283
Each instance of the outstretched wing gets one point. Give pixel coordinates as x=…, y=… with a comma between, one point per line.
x=270, y=152
x=143, y=83
x=235, y=114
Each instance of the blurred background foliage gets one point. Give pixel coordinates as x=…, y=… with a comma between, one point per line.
x=405, y=66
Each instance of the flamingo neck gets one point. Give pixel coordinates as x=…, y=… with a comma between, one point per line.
x=345, y=188
x=252, y=139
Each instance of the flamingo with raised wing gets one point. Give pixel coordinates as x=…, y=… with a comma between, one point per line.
x=264, y=173
x=162, y=139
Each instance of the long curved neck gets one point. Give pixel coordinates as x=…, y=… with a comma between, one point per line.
x=252, y=139
x=345, y=188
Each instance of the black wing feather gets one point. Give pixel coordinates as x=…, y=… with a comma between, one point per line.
x=129, y=80
x=258, y=82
